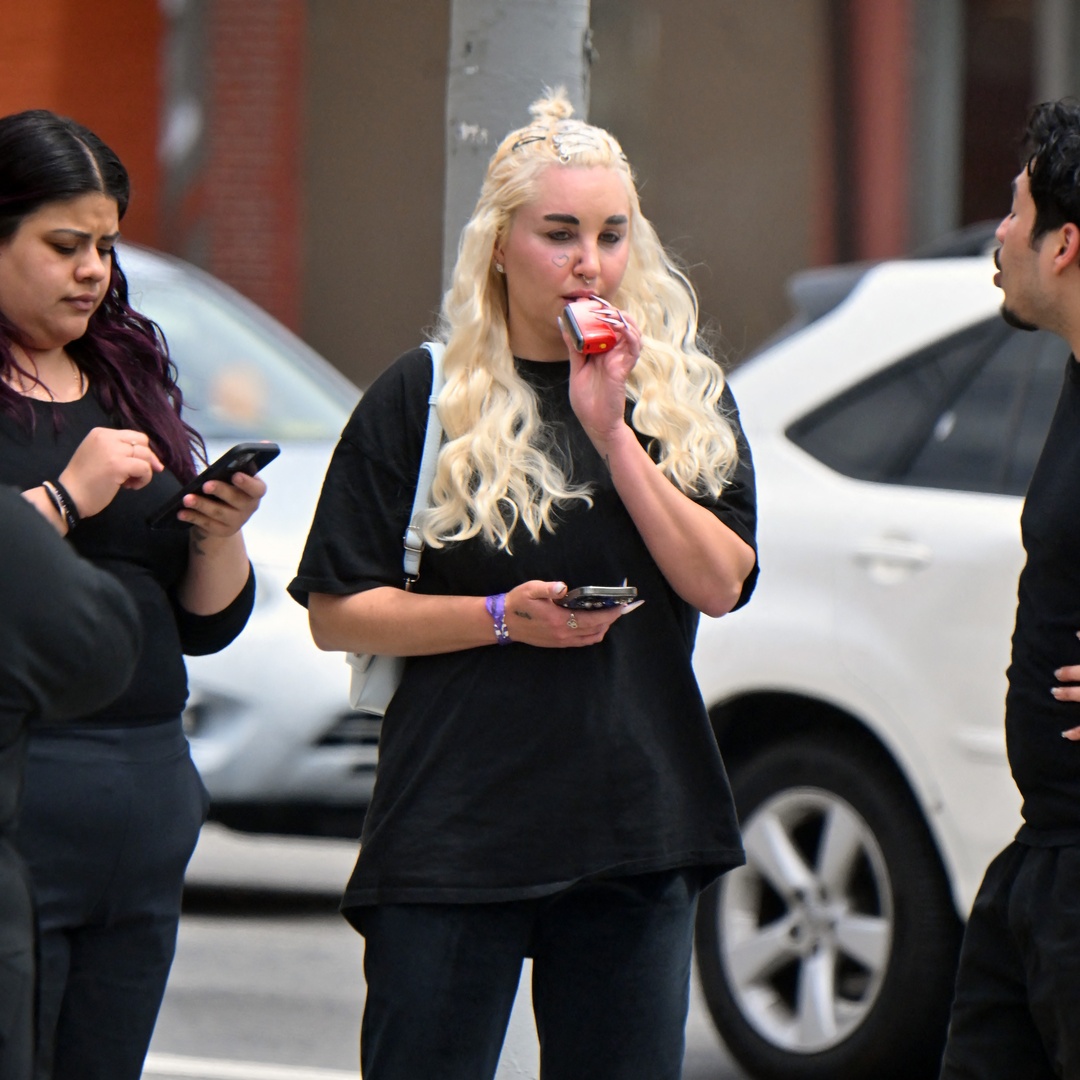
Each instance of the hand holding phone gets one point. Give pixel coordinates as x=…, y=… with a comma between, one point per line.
x=598, y=596
x=247, y=457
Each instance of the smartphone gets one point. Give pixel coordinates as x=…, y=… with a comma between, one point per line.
x=589, y=333
x=246, y=457
x=598, y=596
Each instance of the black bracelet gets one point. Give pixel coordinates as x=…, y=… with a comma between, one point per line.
x=54, y=498
x=71, y=511
x=64, y=503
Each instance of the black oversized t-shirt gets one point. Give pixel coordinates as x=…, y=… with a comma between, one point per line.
x=1046, y=767
x=511, y=771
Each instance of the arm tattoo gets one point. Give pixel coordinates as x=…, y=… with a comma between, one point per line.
x=523, y=615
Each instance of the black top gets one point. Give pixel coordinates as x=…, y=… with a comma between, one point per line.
x=510, y=771
x=149, y=563
x=1046, y=767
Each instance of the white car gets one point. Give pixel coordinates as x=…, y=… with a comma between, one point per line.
x=859, y=698
x=268, y=718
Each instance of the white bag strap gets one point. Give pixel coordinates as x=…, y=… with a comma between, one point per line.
x=413, y=542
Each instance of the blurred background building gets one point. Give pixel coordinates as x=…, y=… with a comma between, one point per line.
x=296, y=148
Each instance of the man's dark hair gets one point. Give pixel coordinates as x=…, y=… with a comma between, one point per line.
x=1051, y=155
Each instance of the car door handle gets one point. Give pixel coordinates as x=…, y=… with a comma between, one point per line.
x=890, y=559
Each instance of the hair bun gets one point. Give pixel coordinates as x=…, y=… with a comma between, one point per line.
x=554, y=105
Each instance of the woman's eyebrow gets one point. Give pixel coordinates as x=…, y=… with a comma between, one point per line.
x=84, y=235
x=569, y=219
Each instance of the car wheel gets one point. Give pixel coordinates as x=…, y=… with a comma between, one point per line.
x=831, y=954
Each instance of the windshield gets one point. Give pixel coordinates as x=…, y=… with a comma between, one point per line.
x=240, y=380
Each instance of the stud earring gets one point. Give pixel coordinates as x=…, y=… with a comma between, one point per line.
x=499, y=268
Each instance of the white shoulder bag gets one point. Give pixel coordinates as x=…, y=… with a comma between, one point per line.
x=375, y=678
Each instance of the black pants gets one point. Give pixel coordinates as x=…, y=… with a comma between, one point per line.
x=1016, y=1013
x=16, y=967
x=611, y=982
x=109, y=821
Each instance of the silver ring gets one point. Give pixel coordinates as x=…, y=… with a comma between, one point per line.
x=572, y=623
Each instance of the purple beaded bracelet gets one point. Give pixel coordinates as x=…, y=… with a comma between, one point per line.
x=496, y=608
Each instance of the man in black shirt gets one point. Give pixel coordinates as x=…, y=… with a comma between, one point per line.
x=1014, y=1012
x=69, y=636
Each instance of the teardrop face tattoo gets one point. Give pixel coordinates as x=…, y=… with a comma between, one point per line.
x=560, y=260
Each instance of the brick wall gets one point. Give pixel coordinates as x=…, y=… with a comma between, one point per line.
x=250, y=185
x=237, y=212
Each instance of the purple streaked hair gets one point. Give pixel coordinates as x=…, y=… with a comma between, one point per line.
x=45, y=158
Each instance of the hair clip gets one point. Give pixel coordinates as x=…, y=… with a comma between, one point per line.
x=571, y=137
x=525, y=140
x=567, y=143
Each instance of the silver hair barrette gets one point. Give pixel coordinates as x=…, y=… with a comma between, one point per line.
x=570, y=138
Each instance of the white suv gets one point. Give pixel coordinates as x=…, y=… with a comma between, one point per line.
x=268, y=718
x=859, y=698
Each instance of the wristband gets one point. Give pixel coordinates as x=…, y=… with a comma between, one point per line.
x=64, y=503
x=496, y=608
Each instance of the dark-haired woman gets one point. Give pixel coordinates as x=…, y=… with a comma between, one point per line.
x=91, y=431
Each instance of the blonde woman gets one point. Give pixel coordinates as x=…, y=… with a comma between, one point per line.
x=548, y=782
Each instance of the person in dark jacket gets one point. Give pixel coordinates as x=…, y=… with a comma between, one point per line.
x=69, y=636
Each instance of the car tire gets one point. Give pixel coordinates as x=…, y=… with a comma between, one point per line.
x=831, y=954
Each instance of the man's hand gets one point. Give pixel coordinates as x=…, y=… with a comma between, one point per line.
x=1068, y=674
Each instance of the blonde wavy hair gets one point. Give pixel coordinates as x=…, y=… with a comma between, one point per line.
x=495, y=470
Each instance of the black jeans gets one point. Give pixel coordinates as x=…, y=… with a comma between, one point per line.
x=16, y=967
x=1018, y=987
x=610, y=984
x=109, y=821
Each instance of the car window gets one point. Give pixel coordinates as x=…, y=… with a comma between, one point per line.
x=969, y=413
x=239, y=380
x=873, y=430
x=989, y=437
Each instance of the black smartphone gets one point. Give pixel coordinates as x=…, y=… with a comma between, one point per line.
x=246, y=457
x=598, y=596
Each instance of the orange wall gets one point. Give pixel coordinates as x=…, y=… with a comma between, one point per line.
x=99, y=64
